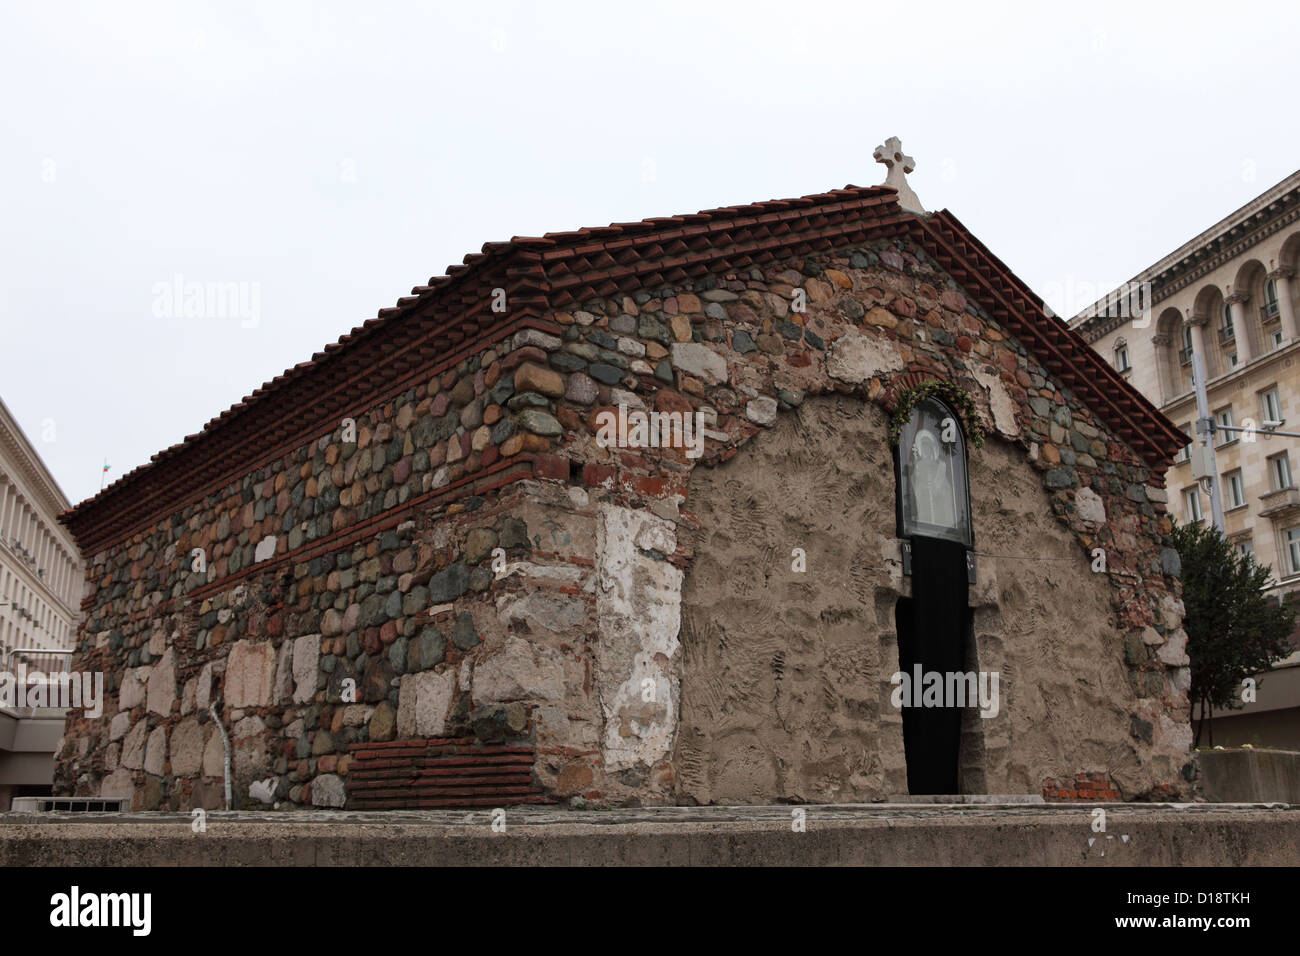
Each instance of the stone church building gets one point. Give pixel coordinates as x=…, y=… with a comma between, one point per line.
x=661, y=512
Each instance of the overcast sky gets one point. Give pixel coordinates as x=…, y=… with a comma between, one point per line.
x=330, y=156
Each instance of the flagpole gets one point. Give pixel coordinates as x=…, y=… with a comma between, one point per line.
x=102, y=473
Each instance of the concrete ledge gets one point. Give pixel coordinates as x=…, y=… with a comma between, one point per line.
x=1249, y=774
x=876, y=835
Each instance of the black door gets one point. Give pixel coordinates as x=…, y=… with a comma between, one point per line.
x=932, y=629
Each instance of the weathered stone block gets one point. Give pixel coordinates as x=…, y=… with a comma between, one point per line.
x=423, y=703
x=700, y=361
x=250, y=669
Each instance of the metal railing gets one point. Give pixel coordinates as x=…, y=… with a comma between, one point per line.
x=1227, y=334
x=1185, y=356
x=34, y=667
x=1268, y=311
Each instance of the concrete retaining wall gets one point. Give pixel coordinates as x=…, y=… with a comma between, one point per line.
x=1195, y=835
x=1246, y=776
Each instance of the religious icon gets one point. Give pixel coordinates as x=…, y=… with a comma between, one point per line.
x=934, y=493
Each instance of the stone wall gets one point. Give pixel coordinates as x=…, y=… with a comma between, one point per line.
x=372, y=561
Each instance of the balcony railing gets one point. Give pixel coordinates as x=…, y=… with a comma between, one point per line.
x=31, y=667
x=1227, y=334
x=1268, y=311
x=1185, y=356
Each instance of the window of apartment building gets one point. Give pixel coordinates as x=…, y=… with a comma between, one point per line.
x=1185, y=452
x=1185, y=355
x=1234, y=489
x=1246, y=547
x=1225, y=324
x=1121, y=357
x=1223, y=418
x=1269, y=309
x=1271, y=403
x=1276, y=338
x=1192, y=504
x=1293, y=550
x=1279, y=471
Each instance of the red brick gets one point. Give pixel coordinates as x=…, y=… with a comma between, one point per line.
x=554, y=467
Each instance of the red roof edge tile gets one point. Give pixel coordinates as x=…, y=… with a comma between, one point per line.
x=444, y=320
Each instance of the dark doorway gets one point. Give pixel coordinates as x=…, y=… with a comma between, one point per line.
x=932, y=629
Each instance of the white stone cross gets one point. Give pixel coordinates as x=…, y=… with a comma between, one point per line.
x=891, y=154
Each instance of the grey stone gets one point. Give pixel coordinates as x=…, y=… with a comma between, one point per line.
x=1061, y=478
x=155, y=752
x=605, y=373
x=514, y=533
x=700, y=361
x=479, y=544
x=496, y=723
x=427, y=650
x=450, y=584
x=761, y=410
x=327, y=790
x=582, y=390
x=539, y=422
x=415, y=601
x=162, y=685
x=1170, y=562
x=463, y=635
x=306, y=667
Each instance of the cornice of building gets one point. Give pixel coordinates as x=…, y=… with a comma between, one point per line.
x=37, y=481
x=1230, y=237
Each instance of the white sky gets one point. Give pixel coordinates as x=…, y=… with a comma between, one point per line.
x=333, y=155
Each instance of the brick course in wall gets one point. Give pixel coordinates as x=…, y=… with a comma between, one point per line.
x=476, y=565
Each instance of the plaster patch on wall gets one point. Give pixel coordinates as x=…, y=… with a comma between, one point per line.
x=1001, y=407
x=855, y=357
x=638, y=610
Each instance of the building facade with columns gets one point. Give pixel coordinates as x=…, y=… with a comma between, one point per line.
x=40, y=567
x=41, y=582
x=1229, y=295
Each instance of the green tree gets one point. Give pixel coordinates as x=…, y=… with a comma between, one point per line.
x=1234, y=630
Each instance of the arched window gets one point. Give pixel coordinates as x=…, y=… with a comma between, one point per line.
x=1122, y=363
x=1225, y=324
x=934, y=488
x=1269, y=309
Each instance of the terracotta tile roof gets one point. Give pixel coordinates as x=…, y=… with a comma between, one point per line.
x=441, y=322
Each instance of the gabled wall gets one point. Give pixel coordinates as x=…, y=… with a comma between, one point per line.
x=381, y=570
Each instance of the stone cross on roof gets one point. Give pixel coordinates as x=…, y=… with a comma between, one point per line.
x=891, y=154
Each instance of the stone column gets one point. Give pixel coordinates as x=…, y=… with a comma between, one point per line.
x=1282, y=280
x=1241, y=328
x=1198, y=323
x=1160, y=347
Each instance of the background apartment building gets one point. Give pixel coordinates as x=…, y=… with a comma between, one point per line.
x=41, y=584
x=1231, y=296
